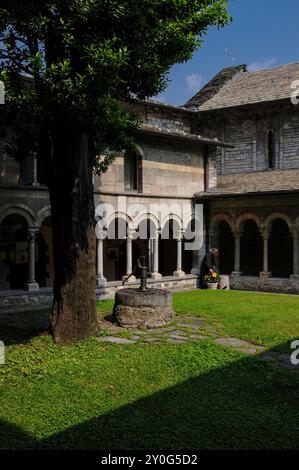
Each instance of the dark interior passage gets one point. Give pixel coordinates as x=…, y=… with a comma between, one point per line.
x=251, y=249
x=226, y=248
x=280, y=249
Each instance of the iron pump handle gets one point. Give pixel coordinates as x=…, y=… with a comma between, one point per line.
x=143, y=277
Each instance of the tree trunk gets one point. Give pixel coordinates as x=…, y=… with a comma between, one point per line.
x=73, y=315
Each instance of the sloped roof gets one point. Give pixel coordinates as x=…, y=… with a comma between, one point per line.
x=214, y=85
x=248, y=88
x=180, y=135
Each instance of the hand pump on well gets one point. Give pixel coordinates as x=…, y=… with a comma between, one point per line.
x=143, y=276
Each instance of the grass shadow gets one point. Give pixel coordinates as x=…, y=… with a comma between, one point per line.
x=247, y=405
x=21, y=327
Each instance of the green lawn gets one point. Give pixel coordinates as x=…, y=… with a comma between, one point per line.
x=196, y=395
x=268, y=319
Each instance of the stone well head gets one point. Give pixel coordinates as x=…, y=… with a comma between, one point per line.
x=150, y=308
x=145, y=307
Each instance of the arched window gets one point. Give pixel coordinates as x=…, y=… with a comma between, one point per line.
x=271, y=149
x=132, y=170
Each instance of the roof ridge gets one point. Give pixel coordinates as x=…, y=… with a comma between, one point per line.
x=272, y=68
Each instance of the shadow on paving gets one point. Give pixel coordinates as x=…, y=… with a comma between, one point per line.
x=21, y=327
x=249, y=404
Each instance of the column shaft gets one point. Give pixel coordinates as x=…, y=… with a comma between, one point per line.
x=129, y=266
x=155, y=274
x=237, y=271
x=295, y=274
x=31, y=283
x=100, y=279
x=265, y=255
x=265, y=272
x=179, y=272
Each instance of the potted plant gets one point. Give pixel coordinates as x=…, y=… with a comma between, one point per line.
x=212, y=281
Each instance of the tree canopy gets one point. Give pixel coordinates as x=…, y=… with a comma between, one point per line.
x=87, y=57
x=71, y=69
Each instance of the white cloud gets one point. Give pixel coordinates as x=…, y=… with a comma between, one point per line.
x=256, y=66
x=161, y=98
x=193, y=82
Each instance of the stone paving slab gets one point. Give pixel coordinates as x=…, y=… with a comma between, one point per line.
x=249, y=351
x=115, y=339
x=179, y=337
x=234, y=342
x=178, y=332
x=175, y=341
x=199, y=336
x=192, y=329
x=152, y=340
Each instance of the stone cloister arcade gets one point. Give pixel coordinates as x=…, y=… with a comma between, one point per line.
x=26, y=257
x=122, y=242
x=253, y=246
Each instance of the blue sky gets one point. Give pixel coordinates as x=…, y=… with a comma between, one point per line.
x=263, y=34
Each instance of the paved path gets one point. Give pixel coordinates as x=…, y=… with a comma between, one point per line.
x=188, y=329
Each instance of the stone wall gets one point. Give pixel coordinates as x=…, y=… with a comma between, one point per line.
x=169, y=168
x=18, y=301
x=247, y=129
x=277, y=285
x=165, y=116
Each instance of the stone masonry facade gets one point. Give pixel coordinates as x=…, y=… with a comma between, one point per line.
x=229, y=156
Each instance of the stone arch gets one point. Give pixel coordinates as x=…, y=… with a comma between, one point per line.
x=19, y=209
x=139, y=150
x=216, y=219
x=277, y=215
x=147, y=216
x=42, y=215
x=174, y=217
x=240, y=222
x=118, y=215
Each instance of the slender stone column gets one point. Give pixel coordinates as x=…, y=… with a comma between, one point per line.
x=129, y=267
x=34, y=169
x=265, y=273
x=179, y=272
x=31, y=284
x=237, y=271
x=295, y=275
x=100, y=279
x=155, y=274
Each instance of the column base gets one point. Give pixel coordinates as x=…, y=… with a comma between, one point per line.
x=155, y=276
x=179, y=273
x=101, y=281
x=236, y=273
x=294, y=277
x=31, y=286
x=265, y=274
x=131, y=279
